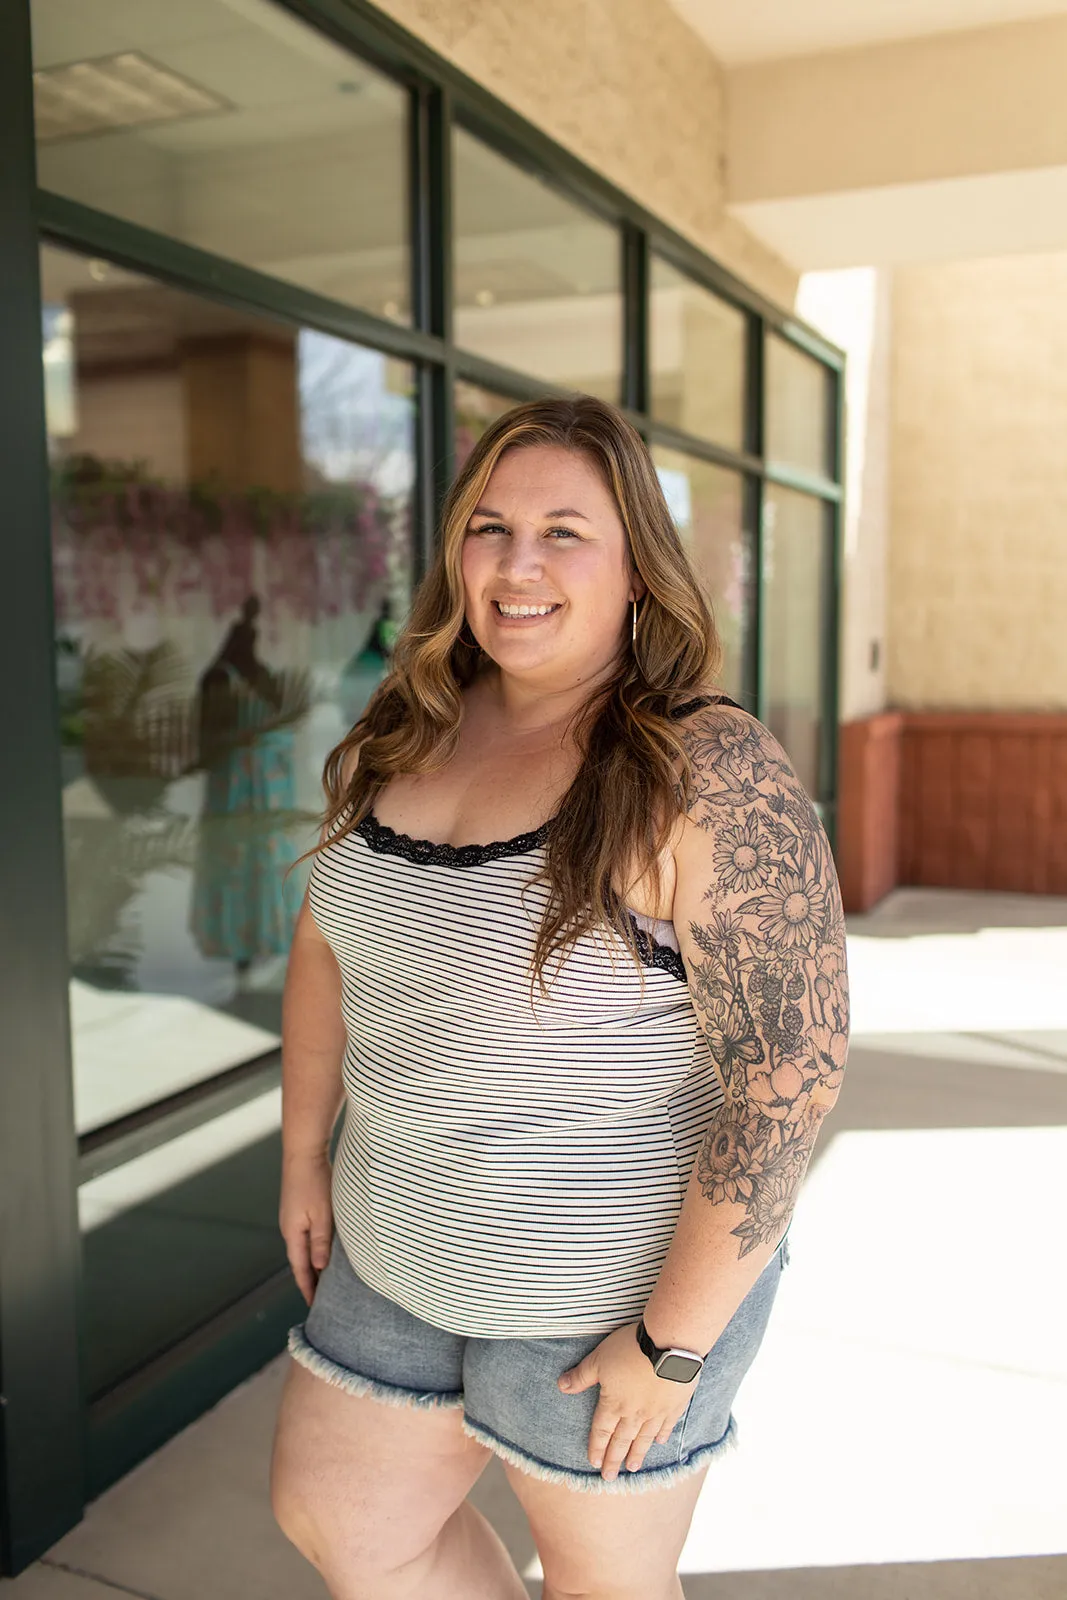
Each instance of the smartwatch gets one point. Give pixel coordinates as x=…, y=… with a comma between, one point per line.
x=679, y=1366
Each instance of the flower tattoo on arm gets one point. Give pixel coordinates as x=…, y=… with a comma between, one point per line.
x=767, y=971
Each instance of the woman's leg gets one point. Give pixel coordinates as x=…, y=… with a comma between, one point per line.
x=608, y=1546
x=373, y=1495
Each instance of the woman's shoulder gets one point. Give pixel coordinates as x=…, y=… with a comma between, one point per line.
x=736, y=764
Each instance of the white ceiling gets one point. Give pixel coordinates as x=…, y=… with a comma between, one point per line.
x=767, y=30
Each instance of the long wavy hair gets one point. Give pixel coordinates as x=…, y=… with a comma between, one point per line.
x=635, y=776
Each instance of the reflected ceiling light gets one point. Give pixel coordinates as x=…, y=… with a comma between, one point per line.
x=120, y=91
x=484, y=297
x=98, y=270
x=390, y=309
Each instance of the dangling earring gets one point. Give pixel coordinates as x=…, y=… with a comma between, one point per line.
x=633, y=632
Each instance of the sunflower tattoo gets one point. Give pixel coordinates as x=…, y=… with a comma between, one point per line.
x=767, y=969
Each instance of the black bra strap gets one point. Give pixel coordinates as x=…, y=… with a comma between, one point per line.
x=705, y=700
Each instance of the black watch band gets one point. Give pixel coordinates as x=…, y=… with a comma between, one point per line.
x=678, y=1366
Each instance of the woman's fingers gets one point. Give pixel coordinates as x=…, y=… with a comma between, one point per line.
x=298, y=1249
x=618, y=1445
x=647, y=1435
x=321, y=1239
x=601, y=1434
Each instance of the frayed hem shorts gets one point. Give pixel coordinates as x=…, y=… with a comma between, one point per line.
x=359, y=1341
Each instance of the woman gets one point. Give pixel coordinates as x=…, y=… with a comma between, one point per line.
x=575, y=934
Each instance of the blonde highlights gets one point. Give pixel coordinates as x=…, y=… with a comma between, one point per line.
x=634, y=777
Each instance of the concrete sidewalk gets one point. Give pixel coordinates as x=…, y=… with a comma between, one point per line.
x=902, y=1431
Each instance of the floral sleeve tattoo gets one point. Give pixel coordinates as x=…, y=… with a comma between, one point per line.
x=767, y=967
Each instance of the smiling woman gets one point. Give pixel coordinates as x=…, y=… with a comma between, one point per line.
x=571, y=955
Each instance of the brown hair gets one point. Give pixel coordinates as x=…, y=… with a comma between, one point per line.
x=635, y=775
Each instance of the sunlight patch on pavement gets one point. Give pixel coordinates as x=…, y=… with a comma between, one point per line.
x=910, y=1399
x=997, y=980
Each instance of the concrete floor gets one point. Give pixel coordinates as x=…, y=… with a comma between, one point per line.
x=902, y=1431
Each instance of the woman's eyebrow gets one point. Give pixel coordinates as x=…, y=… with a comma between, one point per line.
x=565, y=511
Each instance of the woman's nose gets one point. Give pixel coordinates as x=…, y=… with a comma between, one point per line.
x=522, y=557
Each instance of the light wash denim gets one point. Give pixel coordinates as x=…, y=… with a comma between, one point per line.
x=361, y=1342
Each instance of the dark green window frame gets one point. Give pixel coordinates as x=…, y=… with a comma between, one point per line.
x=53, y=1456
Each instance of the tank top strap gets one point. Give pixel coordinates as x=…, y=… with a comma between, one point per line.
x=701, y=701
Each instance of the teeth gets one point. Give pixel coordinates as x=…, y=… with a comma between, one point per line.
x=523, y=611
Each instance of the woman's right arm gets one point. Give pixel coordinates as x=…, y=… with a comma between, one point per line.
x=313, y=1043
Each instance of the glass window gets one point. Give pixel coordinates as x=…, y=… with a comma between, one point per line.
x=696, y=358
x=231, y=503
x=475, y=409
x=707, y=504
x=800, y=414
x=233, y=127
x=797, y=533
x=537, y=279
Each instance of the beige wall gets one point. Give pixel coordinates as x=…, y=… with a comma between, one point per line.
x=941, y=147
x=626, y=86
x=977, y=575
x=852, y=308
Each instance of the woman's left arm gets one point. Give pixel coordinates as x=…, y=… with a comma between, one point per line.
x=758, y=917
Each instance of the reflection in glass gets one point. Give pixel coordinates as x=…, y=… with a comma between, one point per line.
x=537, y=279
x=707, y=504
x=475, y=409
x=231, y=506
x=231, y=542
x=799, y=401
x=232, y=127
x=796, y=551
x=696, y=358
x=176, y=1236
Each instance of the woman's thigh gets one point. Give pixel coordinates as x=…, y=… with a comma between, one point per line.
x=364, y=1487
x=608, y=1546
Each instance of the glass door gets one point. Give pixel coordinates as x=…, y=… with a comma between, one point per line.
x=231, y=541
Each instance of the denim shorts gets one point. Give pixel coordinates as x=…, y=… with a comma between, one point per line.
x=506, y=1389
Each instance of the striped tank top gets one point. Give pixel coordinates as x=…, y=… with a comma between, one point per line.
x=510, y=1164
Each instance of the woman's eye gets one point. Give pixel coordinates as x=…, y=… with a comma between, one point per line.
x=563, y=533
x=490, y=527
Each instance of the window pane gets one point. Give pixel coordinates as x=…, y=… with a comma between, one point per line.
x=697, y=358
x=234, y=128
x=175, y=1236
x=537, y=279
x=707, y=504
x=797, y=531
x=231, y=503
x=475, y=409
x=799, y=431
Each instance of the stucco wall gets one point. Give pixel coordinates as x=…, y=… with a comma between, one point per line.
x=852, y=308
x=977, y=572
x=626, y=86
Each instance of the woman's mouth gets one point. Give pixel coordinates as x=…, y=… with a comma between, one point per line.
x=527, y=611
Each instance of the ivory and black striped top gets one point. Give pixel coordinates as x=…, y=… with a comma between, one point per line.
x=510, y=1165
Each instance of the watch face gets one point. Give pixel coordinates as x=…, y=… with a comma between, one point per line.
x=679, y=1369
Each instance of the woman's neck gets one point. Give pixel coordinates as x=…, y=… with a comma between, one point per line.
x=522, y=709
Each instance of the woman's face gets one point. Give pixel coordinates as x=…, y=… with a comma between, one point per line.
x=546, y=569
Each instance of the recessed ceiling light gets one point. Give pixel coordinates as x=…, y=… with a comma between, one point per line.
x=120, y=91
x=484, y=297
x=98, y=270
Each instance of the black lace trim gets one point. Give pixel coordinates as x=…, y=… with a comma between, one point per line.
x=654, y=954
x=426, y=853
x=702, y=701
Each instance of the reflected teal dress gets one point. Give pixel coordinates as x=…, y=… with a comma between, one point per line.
x=244, y=906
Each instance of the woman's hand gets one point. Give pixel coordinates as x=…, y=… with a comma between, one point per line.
x=635, y=1409
x=306, y=1218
